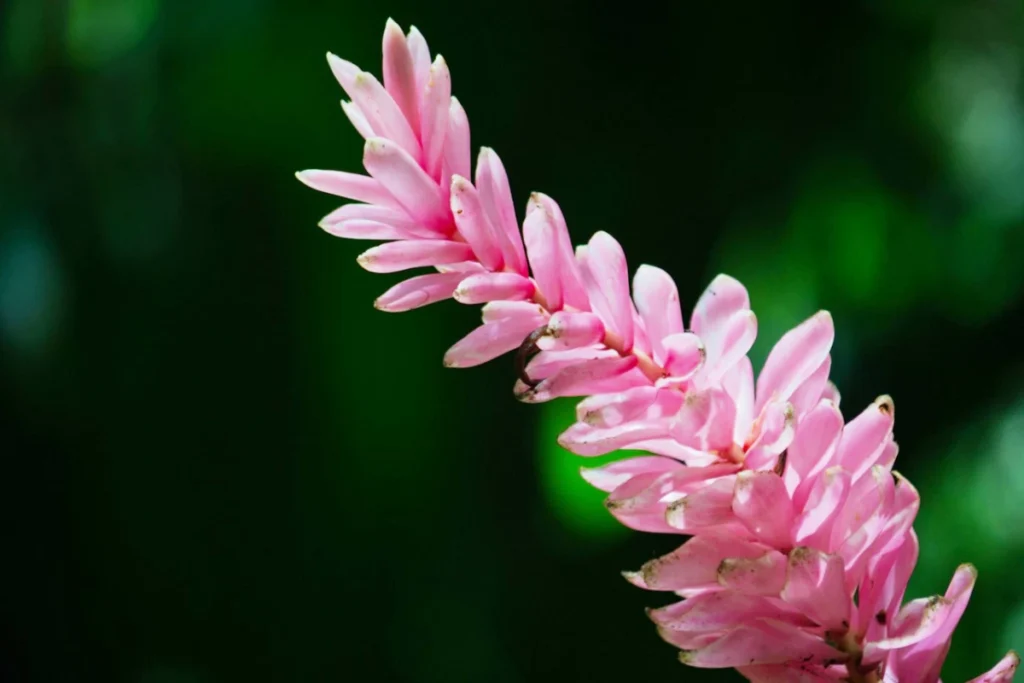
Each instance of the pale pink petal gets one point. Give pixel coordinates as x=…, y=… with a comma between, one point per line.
x=718, y=611
x=727, y=346
x=369, y=230
x=773, y=432
x=639, y=503
x=489, y=341
x=577, y=380
x=571, y=331
x=708, y=506
x=349, y=185
x=396, y=217
x=548, y=363
x=457, y=154
x=763, y=575
x=418, y=291
x=395, y=256
x=573, y=293
x=738, y=383
x=929, y=622
x=403, y=178
x=643, y=403
x=582, y=439
x=606, y=279
x=863, y=516
x=357, y=119
x=695, y=564
x=762, y=504
x=472, y=222
x=724, y=297
x=683, y=354
x=706, y=421
x=807, y=395
x=542, y=249
x=795, y=358
x=882, y=588
x=762, y=642
x=496, y=196
x=865, y=437
x=609, y=477
x=831, y=393
x=484, y=287
x=657, y=301
x=814, y=525
x=376, y=105
x=499, y=310
x=813, y=449
x=400, y=74
x=1002, y=672
x=815, y=586
x=434, y=111
x=420, y=57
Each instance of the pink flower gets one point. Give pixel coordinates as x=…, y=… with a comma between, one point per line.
x=802, y=542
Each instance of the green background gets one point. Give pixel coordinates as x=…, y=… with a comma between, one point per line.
x=220, y=463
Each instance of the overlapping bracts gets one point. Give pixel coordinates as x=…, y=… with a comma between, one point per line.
x=801, y=533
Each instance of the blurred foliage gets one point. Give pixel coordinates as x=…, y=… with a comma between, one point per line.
x=223, y=464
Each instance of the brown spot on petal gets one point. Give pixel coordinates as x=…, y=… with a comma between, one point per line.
x=881, y=618
x=885, y=404
x=780, y=464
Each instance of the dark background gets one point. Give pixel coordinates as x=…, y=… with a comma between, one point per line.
x=220, y=463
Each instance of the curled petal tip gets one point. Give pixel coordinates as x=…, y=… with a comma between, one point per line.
x=685, y=656
x=885, y=404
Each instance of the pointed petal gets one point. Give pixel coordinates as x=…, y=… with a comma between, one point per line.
x=349, y=185
x=657, y=300
x=762, y=642
x=456, y=144
x=395, y=256
x=577, y=380
x=708, y=506
x=582, y=439
x=795, y=358
x=609, y=477
x=808, y=394
x=418, y=291
x=472, y=222
x=774, y=431
x=866, y=436
x=484, y=287
x=1002, y=672
x=542, y=250
x=814, y=525
x=611, y=410
x=813, y=450
x=400, y=74
x=406, y=181
x=366, y=230
x=420, y=57
x=738, y=383
x=499, y=310
x=496, y=196
x=436, y=104
x=762, y=504
x=357, y=119
x=376, y=105
x=606, y=279
x=815, y=586
x=572, y=289
x=489, y=341
x=764, y=575
x=695, y=564
x=395, y=217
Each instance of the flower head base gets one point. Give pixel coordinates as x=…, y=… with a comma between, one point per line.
x=802, y=541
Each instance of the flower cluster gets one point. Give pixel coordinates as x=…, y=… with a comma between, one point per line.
x=801, y=541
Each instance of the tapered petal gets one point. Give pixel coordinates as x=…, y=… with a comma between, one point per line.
x=569, y=277
x=717, y=611
x=457, y=154
x=683, y=354
x=762, y=504
x=609, y=477
x=1002, y=672
x=499, y=310
x=434, y=111
x=773, y=433
x=349, y=185
x=484, y=287
x=380, y=110
x=473, y=224
x=813, y=449
x=695, y=564
x=814, y=525
x=399, y=74
x=795, y=358
x=395, y=256
x=489, y=341
x=638, y=403
x=582, y=439
x=418, y=291
x=762, y=642
x=815, y=586
x=657, y=301
x=763, y=575
x=606, y=279
x=402, y=177
x=496, y=196
x=357, y=119
x=578, y=380
x=865, y=437
x=708, y=506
